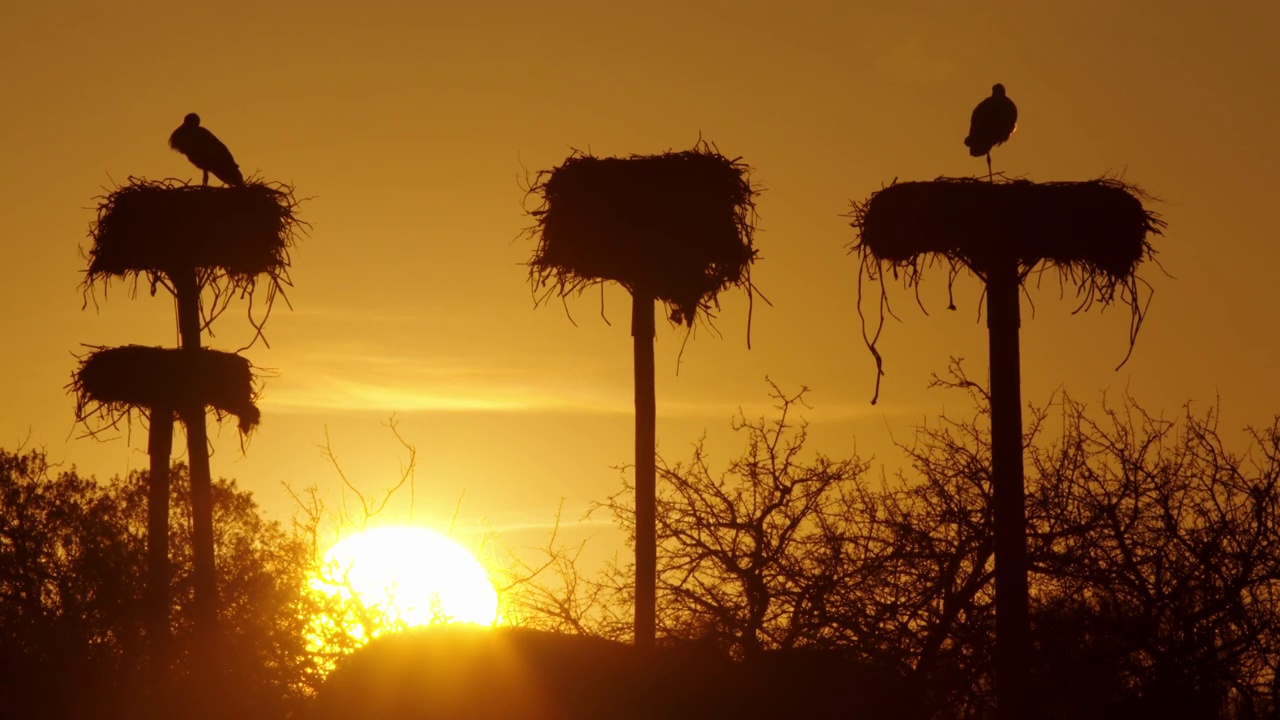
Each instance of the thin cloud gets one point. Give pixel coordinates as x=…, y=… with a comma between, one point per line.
x=393, y=384
x=352, y=381
x=329, y=393
x=551, y=525
x=473, y=391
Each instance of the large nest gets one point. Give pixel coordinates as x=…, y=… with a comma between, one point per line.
x=678, y=225
x=1094, y=233
x=229, y=236
x=111, y=382
x=1099, y=226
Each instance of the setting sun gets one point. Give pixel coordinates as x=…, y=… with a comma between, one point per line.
x=410, y=576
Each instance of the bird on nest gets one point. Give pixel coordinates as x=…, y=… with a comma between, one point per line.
x=205, y=151
x=993, y=121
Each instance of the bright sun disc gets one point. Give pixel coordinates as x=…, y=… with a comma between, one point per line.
x=413, y=575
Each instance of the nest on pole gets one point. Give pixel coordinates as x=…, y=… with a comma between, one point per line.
x=678, y=225
x=112, y=382
x=230, y=236
x=1094, y=233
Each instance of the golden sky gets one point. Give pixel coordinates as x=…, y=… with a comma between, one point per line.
x=409, y=126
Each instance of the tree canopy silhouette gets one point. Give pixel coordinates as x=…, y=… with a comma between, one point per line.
x=73, y=564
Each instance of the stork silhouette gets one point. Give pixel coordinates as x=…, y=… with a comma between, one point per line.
x=993, y=121
x=205, y=151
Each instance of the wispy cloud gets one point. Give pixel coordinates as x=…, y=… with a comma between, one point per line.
x=382, y=382
x=475, y=391
x=325, y=392
x=351, y=380
x=552, y=524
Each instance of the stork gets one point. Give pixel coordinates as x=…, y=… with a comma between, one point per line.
x=205, y=151
x=993, y=121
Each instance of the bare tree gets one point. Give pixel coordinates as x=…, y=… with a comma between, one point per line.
x=1167, y=543
x=750, y=558
x=1155, y=557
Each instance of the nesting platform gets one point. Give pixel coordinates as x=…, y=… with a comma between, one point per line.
x=1096, y=226
x=112, y=381
x=676, y=225
x=167, y=226
x=1094, y=233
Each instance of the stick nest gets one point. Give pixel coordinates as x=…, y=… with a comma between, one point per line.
x=111, y=382
x=1098, y=227
x=230, y=236
x=678, y=225
x=1094, y=233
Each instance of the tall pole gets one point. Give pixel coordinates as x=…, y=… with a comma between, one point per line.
x=642, y=332
x=160, y=448
x=1013, y=633
x=206, y=604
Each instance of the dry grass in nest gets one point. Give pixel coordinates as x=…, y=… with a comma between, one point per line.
x=1094, y=233
x=229, y=236
x=111, y=382
x=678, y=225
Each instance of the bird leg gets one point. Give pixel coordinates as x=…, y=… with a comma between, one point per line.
x=206, y=172
x=988, y=168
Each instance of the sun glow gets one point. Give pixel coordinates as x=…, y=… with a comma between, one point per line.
x=401, y=577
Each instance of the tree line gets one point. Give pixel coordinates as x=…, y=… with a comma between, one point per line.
x=1154, y=550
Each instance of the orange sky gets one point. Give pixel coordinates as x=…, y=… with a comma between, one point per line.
x=409, y=126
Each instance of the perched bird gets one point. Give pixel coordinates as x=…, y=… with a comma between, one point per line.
x=205, y=151
x=993, y=121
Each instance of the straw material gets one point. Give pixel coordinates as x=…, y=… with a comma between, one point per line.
x=677, y=225
x=231, y=237
x=167, y=225
x=112, y=381
x=1098, y=226
x=1094, y=233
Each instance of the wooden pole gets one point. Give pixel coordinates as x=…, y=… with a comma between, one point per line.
x=160, y=448
x=206, y=603
x=642, y=332
x=1013, y=632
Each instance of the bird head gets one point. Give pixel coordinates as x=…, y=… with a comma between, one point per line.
x=997, y=90
x=191, y=119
